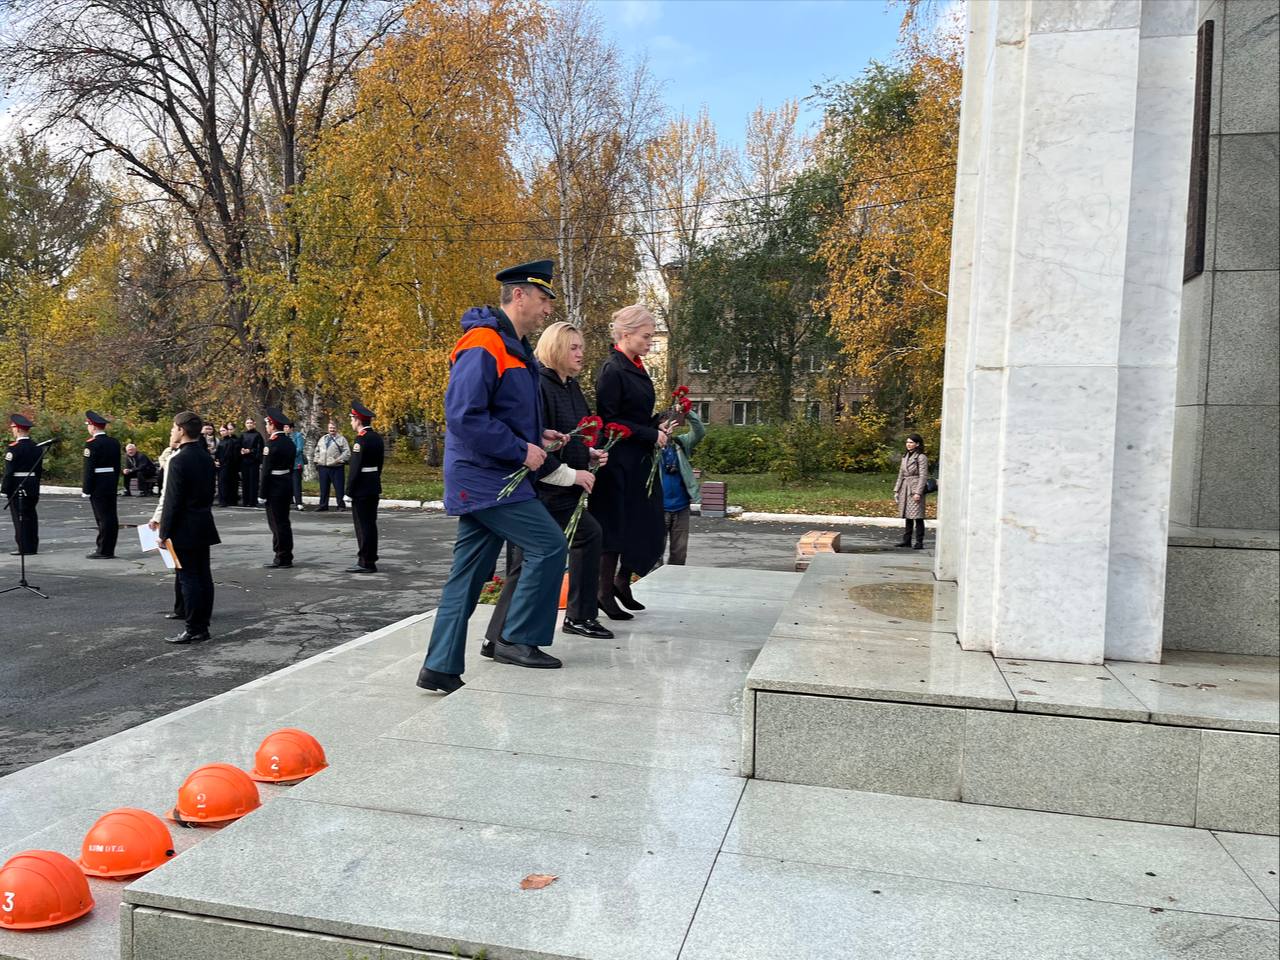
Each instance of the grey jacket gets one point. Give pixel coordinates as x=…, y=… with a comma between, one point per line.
x=332, y=454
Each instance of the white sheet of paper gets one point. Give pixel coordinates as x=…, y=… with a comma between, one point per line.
x=167, y=557
x=150, y=539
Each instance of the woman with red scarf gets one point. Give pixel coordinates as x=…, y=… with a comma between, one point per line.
x=629, y=512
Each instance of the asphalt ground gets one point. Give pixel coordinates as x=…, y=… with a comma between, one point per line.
x=91, y=660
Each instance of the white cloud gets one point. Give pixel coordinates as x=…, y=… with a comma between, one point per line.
x=636, y=13
x=670, y=50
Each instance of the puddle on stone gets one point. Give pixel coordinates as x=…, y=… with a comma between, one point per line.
x=910, y=601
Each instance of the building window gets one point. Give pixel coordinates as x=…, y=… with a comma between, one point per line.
x=746, y=412
x=813, y=410
x=745, y=363
x=703, y=409
x=698, y=365
x=815, y=363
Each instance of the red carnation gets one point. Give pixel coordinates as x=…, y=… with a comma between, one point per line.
x=686, y=404
x=617, y=431
x=680, y=392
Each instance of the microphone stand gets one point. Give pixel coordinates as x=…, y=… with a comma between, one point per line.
x=21, y=494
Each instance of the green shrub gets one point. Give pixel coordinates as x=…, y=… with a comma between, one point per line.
x=862, y=443
x=727, y=449
x=805, y=449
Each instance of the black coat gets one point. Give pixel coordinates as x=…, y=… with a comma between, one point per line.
x=630, y=515
x=187, y=516
x=563, y=407
x=365, y=476
x=277, y=468
x=101, y=465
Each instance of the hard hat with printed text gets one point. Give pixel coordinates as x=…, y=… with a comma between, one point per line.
x=288, y=755
x=124, y=843
x=41, y=888
x=215, y=793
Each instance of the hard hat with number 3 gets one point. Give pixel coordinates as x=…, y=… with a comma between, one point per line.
x=215, y=793
x=41, y=888
x=288, y=755
x=125, y=843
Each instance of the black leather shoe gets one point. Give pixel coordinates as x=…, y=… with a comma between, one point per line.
x=919, y=545
x=586, y=628
x=523, y=655
x=486, y=649
x=611, y=609
x=322, y=509
x=444, y=682
x=622, y=590
x=276, y=566
x=903, y=543
x=99, y=556
x=356, y=568
x=175, y=616
x=186, y=636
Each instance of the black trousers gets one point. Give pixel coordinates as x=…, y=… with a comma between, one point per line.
x=26, y=523
x=179, y=605
x=584, y=573
x=108, y=520
x=281, y=528
x=249, y=483
x=297, y=486
x=196, y=580
x=335, y=476
x=226, y=486
x=364, y=514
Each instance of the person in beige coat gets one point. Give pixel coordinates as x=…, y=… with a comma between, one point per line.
x=909, y=491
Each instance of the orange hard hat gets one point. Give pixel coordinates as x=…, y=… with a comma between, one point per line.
x=215, y=793
x=286, y=755
x=125, y=843
x=41, y=888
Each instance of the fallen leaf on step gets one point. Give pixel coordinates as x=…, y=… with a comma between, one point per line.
x=536, y=881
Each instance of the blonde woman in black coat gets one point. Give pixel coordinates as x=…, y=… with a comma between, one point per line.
x=629, y=514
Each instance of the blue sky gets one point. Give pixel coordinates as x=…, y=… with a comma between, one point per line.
x=733, y=54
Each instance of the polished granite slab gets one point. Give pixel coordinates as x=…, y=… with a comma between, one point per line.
x=1220, y=690
x=432, y=883
x=1070, y=689
x=873, y=665
x=615, y=801
x=756, y=907
x=579, y=729
x=1149, y=865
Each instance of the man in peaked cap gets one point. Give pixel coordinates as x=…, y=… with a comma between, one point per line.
x=101, y=481
x=277, y=487
x=22, y=468
x=493, y=418
x=365, y=488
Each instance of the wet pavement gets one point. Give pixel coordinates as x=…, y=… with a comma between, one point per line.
x=91, y=661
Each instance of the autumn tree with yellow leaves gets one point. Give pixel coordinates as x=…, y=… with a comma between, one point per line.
x=406, y=214
x=890, y=137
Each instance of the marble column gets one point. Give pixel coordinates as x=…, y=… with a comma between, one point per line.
x=1069, y=234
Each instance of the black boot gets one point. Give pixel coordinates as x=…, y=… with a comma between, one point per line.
x=906, y=537
x=622, y=590
x=604, y=593
x=919, y=544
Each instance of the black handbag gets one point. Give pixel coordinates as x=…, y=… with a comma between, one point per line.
x=930, y=485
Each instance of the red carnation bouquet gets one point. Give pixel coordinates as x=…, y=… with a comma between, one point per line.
x=680, y=408
x=613, y=432
x=588, y=429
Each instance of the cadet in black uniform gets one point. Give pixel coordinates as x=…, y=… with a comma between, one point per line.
x=22, y=469
x=101, y=480
x=277, y=487
x=364, y=488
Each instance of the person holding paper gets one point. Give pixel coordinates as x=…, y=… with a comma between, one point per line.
x=186, y=523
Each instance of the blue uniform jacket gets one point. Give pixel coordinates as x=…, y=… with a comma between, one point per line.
x=492, y=411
